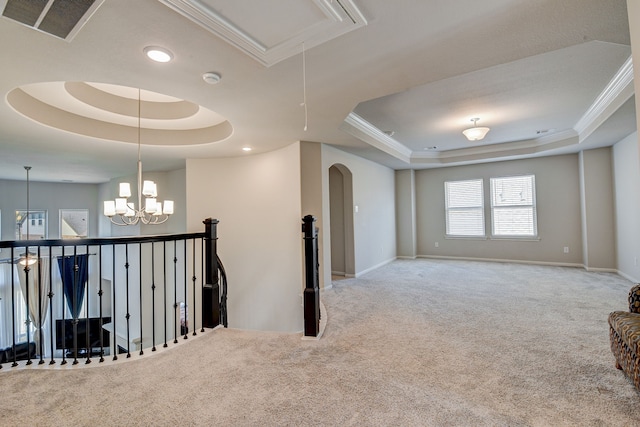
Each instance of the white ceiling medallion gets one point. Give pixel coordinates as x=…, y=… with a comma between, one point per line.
x=270, y=41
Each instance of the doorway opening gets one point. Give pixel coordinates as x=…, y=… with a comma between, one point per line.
x=341, y=221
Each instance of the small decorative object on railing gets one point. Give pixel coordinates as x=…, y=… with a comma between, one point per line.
x=122, y=212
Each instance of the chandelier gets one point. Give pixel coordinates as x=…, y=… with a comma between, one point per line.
x=122, y=212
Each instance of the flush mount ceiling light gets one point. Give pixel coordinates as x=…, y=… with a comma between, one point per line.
x=158, y=54
x=247, y=149
x=475, y=133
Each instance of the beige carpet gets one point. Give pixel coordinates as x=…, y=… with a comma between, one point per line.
x=414, y=343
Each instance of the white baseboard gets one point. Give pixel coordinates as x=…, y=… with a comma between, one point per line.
x=601, y=270
x=360, y=273
x=515, y=261
x=626, y=276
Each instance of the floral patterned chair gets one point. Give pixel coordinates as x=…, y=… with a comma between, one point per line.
x=624, y=334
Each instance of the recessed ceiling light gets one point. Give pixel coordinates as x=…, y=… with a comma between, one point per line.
x=433, y=147
x=246, y=149
x=158, y=54
x=389, y=132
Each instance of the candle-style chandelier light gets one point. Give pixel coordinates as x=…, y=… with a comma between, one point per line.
x=122, y=212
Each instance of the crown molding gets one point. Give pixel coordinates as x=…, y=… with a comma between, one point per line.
x=365, y=131
x=616, y=93
x=340, y=17
x=498, y=151
x=619, y=89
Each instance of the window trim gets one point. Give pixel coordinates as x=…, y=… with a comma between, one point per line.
x=533, y=206
x=480, y=208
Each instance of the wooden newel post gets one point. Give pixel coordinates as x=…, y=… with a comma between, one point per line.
x=211, y=289
x=311, y=291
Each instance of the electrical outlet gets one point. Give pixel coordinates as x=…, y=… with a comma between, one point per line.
x=437, y=245
x=566, y=249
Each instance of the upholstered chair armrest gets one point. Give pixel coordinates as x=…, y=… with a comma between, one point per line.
x=634, y=299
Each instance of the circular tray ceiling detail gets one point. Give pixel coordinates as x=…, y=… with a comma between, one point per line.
x=113, y=112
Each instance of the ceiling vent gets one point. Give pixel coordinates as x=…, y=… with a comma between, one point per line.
x=60, y=18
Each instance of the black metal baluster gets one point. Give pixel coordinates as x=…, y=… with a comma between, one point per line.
x=193, y=257
x=153, y=296
x=62, y=339
x=86, y=299
x=175, y=292
x=140, y=305
x=211, y=303
x=74, y=304
x=126, y=267
x=186, y=306
x=100, y=302
x=39, y=331
x=164, y=266
x=13, y=311
x=27, y=269
x=50, y=295
x=223, y=295
x=201, y=285
x=113, y=301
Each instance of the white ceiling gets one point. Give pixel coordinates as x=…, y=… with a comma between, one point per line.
x=421, y=69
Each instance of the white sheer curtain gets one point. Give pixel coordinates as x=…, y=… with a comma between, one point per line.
x=6, y=311
x=38, y=293
x=5, y=304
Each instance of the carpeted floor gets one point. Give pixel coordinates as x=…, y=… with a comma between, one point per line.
x=414, y=343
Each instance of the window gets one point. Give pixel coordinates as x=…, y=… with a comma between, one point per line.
x=513, y=206
x=464, y=204
x=38, y=222
x=73, y=223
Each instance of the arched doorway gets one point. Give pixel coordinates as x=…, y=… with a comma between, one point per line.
x=341, y=221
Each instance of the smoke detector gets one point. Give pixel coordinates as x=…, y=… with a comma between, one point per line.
x=211, y=77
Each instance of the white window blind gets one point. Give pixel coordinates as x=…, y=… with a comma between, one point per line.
x=464, y=204
x=513, y=206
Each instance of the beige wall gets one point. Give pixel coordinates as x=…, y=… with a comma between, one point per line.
x=597, y=204
x=633, y=12
x=558, y=212
x=311, y=191
x=258, y=203
x=374, y=223
x=627, y=202
x=49, y=196
x=406, y=213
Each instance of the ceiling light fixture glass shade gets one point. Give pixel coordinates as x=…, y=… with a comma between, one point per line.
x=122, y=212
x=475, y=133
x=27, y=258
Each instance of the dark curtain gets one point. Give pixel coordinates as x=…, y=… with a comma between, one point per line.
x=73, y=281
